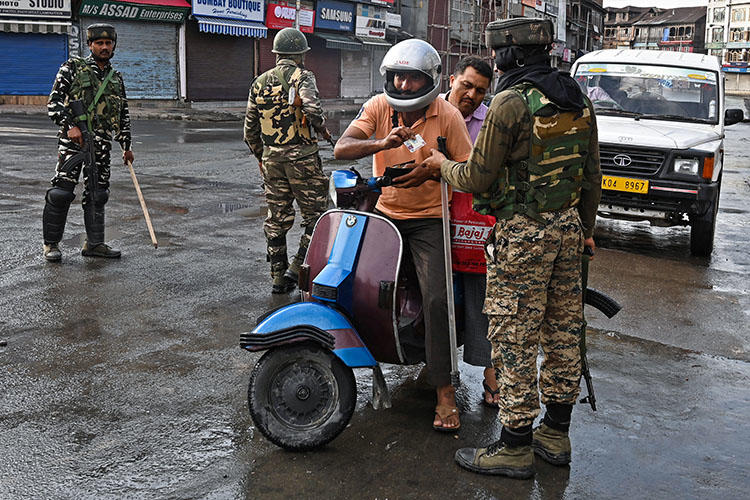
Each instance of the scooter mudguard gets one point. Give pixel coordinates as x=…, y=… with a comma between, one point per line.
x=309, y=321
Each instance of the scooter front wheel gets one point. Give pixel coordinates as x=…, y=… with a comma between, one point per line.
x=301, y=396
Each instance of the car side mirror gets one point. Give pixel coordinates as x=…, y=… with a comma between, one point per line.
x=732, y=116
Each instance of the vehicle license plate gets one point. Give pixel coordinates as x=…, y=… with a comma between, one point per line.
x=624, y=184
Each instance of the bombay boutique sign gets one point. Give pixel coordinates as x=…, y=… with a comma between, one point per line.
x=244, y=10
x=35, y=8
x=132, y=11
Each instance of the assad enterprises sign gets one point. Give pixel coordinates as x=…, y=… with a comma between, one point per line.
x=243, y=10
x=131, y=11
x=35, y=8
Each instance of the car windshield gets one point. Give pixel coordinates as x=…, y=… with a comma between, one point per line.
x=648, y=91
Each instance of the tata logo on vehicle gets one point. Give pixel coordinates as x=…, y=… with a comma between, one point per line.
x=622, y=160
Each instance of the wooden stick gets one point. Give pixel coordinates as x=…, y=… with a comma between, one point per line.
x=143, y=205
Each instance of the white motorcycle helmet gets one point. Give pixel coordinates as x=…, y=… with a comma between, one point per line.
x=411, y=55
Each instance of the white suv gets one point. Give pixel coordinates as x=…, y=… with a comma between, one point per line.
x=661, y=121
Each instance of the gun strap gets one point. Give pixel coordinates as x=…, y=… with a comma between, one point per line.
x=282, y=79
x=98, y=96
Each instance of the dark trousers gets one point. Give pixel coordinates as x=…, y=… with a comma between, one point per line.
x=424, y=239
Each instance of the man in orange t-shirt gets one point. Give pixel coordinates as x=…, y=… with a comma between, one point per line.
x=409, y=116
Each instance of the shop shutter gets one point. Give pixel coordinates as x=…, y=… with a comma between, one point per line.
x=377, y=54
x=146, y=55
x=29, y=62
x=219, y=67
x=326, y=64
x=355, y=73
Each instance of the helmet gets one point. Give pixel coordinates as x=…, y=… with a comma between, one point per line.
x=520, y=32
x=411, y=55
x=290, y=41
x=101, y=30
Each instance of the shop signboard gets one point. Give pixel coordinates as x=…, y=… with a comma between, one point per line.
x=35, y=8
x=132, y=11
x=282, y=16
x=393, y=19
x=333, y=15
x=243, y=10
x=370, y=22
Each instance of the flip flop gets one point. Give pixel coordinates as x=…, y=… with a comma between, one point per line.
x=492, y=393
x=445, y=411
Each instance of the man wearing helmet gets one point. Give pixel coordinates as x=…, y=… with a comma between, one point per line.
x=283, y=111
x=535, y=167
x=410, y=111
x=100, y=87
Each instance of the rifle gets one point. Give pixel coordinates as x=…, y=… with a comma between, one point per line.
x=89, y=159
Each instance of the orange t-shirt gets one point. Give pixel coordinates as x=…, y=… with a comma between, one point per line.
x=441, y=119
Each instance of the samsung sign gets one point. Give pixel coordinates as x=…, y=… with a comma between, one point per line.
x=333, y=15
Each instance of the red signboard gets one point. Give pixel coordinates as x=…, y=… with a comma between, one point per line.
x=282, y=16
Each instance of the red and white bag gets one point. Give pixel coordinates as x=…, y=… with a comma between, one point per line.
x=469, y=231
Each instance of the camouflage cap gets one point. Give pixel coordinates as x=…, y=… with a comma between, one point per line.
x=519, y=31
x=100, y=30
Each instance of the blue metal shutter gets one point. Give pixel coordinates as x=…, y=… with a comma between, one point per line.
x=29, y=62
x=146, y=55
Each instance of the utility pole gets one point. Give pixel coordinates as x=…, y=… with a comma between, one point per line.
x=296, y=14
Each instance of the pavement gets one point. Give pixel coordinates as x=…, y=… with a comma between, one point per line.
x=214, y=111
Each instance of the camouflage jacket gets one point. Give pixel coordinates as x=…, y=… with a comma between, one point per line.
x=62, y=89
x=504, y=139
x=260, y=107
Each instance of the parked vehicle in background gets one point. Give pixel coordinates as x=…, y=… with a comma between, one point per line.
x=661, y=120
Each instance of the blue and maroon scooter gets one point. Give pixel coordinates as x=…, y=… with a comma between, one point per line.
x=360, y=306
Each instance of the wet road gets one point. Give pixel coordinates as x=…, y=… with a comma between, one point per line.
x=125, y=379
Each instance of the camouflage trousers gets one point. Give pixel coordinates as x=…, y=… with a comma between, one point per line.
x=534, y=299
x=301, y=180
x=69, y=175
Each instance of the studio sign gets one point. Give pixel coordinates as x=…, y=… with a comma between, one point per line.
x=342, y=16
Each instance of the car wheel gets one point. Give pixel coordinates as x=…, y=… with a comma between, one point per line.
x=702, y=230
x=301, y=396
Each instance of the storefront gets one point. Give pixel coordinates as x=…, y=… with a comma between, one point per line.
x=220, y=45
x=334, y=25
x=148, y=42
x=323, y=61
x=370, y=30
x=33, y=45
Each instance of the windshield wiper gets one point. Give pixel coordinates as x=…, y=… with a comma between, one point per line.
x=613, y=111
x=676, y=117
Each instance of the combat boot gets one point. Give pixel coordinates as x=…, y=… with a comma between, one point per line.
x=552, y=445
x=282, y=284
x=292, y=274
x=100, y=250
x=498, y=459
x=52, y=252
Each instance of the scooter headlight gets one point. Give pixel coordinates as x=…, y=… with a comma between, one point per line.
x=685, y=166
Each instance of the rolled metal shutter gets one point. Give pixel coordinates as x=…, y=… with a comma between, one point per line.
x=29, y=62
x=355, y=73
x=146, y=55
x=212, y=77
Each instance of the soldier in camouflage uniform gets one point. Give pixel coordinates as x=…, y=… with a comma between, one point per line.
x=283, y=111
x=108, y=116
x=535, y=166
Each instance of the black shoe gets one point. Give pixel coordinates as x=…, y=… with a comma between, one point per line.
x=52, y=252
x=99, y=250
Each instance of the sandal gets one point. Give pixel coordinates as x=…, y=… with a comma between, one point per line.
x=443, y=412
x=491, y=393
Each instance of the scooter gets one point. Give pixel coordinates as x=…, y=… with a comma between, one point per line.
x=360, y=306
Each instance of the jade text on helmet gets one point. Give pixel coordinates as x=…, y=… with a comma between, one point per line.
x=507, y=32
x=290, y=41
x=411, y=55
